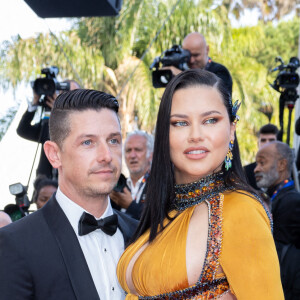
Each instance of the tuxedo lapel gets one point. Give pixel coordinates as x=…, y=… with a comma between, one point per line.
x=126, y=224
x=77, y=268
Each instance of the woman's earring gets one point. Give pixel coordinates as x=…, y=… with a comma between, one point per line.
x=229, y=156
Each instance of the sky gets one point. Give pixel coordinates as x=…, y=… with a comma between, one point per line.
x=16, y=17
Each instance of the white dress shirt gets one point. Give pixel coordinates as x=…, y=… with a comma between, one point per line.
x=137, y=189
x=101, y=251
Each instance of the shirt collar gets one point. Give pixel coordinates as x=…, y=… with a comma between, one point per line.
x=130, y=184
x=73, y=211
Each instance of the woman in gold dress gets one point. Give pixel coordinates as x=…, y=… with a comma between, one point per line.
x=204, y=233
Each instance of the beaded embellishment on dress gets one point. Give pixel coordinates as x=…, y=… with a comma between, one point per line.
x=196, y=192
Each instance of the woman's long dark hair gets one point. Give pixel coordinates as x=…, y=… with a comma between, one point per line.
x=160, y=185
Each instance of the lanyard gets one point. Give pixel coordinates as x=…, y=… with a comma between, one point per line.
x=283, y=185
x=141, y=184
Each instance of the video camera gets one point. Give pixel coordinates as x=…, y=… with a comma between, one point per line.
x=287, y=79
x=177, y=57
x=48, y=85
x=286, y=84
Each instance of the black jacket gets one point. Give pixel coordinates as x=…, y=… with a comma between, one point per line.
x=249, y=171
x=286, y=219
x=286, y=216
x=135, y=209
x=289, y=258
x=39, y=133
x=41, y=258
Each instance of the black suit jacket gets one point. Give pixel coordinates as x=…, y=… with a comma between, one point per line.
x=289, y=258
x=39, y=133
x=286, y=216
x=41, y=258
x=286, y=219
x=249, y=171
x=222, y=72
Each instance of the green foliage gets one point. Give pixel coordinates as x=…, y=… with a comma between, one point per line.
x=280, y=40
x=105, y=53
x=6, y=120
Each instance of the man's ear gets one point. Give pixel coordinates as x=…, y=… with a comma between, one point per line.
x=52, y=152
x=282, y=165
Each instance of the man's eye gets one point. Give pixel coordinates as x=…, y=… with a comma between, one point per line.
x=179, y=123
x=211, y=121
x=87, y=142
x=114, y=141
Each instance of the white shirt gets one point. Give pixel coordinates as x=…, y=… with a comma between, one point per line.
x=137, y=189
x=101, y=251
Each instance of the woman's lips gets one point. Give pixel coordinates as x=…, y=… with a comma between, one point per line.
x=196, y=152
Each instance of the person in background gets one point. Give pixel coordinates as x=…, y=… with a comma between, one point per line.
x=4, y=219
x=267, y=133
x=204, y=234
x=273, y=173
x=196, y=44
x=138, y=150
x=44, y=188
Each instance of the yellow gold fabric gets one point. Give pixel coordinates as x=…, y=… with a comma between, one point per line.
x=248, y=256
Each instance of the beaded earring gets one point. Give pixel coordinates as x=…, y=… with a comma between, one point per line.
x=235, y=109
x=229, y=157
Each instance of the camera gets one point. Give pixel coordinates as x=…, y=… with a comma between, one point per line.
x=175, y=56
x=287, y=77
x=286, y=83
x=48, y=85
x=20, y=209
x=121, y=184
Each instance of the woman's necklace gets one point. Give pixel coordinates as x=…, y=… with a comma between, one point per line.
x=196, y=192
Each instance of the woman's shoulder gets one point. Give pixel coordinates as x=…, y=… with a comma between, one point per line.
x=240, y=204
x=248, y=250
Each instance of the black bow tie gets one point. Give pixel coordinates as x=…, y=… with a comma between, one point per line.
x=88, y=223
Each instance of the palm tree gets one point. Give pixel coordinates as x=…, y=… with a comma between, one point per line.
x=268, y=10
x=114, y=54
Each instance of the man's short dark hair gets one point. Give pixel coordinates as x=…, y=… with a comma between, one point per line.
x=72, y=101
x=268, y=129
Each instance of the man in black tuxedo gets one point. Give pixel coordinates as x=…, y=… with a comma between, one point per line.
x=196, y=44
x=69, y=249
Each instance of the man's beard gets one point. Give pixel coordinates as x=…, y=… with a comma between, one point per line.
x=96, y=192
x=269, y=178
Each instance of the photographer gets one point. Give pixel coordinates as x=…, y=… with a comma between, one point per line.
x=39, y=132
x=195, y=43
